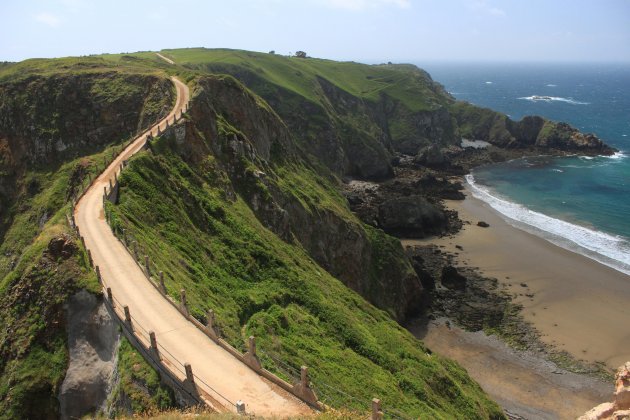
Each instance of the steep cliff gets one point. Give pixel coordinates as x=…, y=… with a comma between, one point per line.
x=288, y=196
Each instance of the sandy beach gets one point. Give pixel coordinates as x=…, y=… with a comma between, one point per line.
x=522, y=382
x=578, y=304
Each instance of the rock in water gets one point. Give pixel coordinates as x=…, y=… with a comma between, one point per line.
x=619, y=408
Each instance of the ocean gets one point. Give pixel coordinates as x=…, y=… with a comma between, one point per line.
x=579, y=203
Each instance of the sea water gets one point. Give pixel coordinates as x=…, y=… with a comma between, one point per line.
x=581, y=203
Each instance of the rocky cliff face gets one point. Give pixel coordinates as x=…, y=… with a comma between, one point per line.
x=261, y=160
x=47, y=120
x=350, y=135
x=43, y=119
x=484, y=124
x=619, y=408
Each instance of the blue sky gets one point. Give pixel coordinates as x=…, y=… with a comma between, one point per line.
x=361, y=30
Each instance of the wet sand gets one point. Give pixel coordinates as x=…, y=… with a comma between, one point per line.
x=578, y=304
x=523, y=383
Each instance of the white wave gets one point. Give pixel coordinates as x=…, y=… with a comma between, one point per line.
x=557, y=170
x=613, y=251
x=551, y=85
x=587, y=157
x=617, y=155
x=488, y=83
x=538, y=98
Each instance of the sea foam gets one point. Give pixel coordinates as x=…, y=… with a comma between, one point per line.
x=537, y=98
x=610, y=250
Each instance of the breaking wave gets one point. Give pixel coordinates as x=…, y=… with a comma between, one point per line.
x=610, y=250
x=538, y=98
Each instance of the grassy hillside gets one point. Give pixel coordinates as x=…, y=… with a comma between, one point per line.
x=406, y=83
x=258, y=284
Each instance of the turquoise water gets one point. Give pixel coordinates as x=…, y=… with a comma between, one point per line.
x=580, y=203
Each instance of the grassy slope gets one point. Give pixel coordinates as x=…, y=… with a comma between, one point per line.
x=299, y=75
x=258, y=284
x=33, y=286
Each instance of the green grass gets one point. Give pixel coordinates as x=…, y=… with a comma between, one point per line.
x=139, y=385
x=404, y=83
x=257, y=284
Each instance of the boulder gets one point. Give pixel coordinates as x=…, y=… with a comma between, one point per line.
x=451, y=278
x=411, y=216
x=431, y=156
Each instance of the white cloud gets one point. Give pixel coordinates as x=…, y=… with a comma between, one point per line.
x=483, y=6
x=48, y=19
x=364, y=4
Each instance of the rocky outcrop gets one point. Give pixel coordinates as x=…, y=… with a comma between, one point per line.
x=43, y=119
x=532, y=131
x=92, y=346
x=411, y=216
x=48, y=120
x=619, y=408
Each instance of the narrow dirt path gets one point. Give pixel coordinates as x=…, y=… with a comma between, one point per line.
x=151, y=312
x=168, y=60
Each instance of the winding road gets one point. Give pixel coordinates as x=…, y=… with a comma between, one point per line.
x=214, y=366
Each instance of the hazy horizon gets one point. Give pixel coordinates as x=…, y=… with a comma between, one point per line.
x=502, y=31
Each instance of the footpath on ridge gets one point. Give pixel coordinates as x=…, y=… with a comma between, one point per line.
x=216, y=368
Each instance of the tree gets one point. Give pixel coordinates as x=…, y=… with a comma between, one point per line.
x=272, y=52
x=300, y=54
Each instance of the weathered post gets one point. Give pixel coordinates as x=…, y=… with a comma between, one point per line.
x=122, y=165
x=210, y=325
x=377, y=414
x=111, y=187
x=147, y=265
x=127, y=317
x=154, y=346
x=184, y=303
x=124, y=236
x=250, y=357
x=98, y=274
x=104, y=192
x=162, y=285
x=189, y=374
x=110, y=296
x=303, y=388
x=89, y=253
x=240, y=407
x=135, y=250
